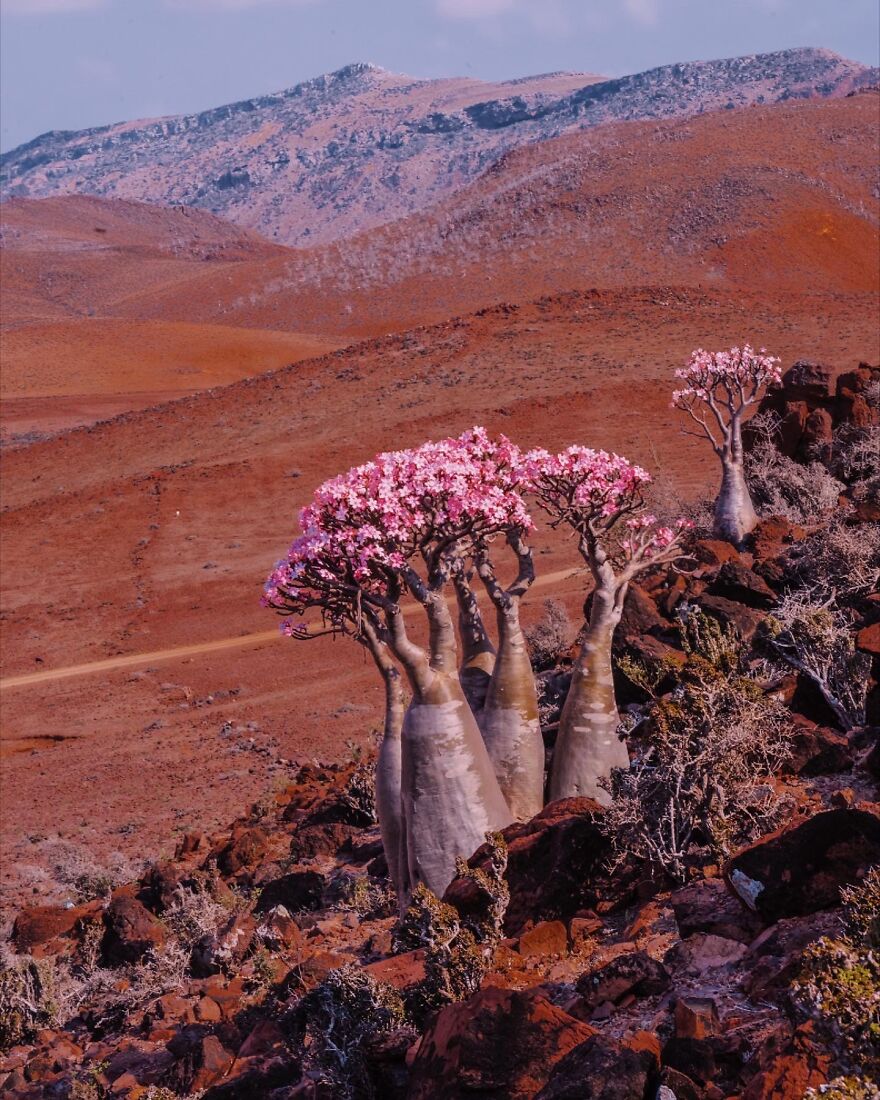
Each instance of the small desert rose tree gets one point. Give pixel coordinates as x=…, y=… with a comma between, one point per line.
x=317, y=576
x=400, y=522
x=719, y=387
x=600, y=496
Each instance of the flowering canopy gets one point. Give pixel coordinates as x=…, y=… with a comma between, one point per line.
x=593, y=492
x=362, y=528
x=726, y=381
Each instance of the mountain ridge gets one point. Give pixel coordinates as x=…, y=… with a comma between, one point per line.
x=361, y=147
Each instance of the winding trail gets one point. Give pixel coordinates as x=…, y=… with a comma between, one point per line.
x=134, y=660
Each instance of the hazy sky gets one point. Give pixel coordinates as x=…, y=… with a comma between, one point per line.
x=68, y=64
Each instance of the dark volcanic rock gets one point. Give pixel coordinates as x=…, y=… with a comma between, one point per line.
x=600, y=1069
x=800, y=869
x=636, y=973
x=130, y=931
x=296, y=891
x=555, y=865
x=707, y=905
x=501, y=1044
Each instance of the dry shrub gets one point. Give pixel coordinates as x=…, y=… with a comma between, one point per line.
x=702, y=777
x=550, y=637
x=335, y=1022
x=28, y=997
x=841, y=562
x=814, y=637
x=779, y=485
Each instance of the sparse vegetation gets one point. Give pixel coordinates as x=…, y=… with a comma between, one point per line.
x=703, y=774
x=839, y=983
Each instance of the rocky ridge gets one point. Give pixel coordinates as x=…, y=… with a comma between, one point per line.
x=361, y=147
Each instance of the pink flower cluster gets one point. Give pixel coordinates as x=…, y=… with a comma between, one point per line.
x=645, y=539
x=739, y=372
x=596, y=484
x=365, y=525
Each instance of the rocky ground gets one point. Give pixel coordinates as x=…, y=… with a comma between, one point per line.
x=266, y=959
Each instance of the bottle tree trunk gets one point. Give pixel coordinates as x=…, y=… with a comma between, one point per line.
x=477, y=650
x=587, y=745
x=509, y=720
x=735, y=515
x=388, y=764
x=450, y=797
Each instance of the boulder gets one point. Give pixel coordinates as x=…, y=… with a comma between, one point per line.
x=696, y=1018
x=600, y=1069
x=774, y=958
x=130, y=931
x=296, y=891
x=324, y=839
x=800, y=868
x=702, y=951
x=745, y=620
x=635, y=973
x=707, y=905
x=737, y=582
x=817, y=750
x=243, y=851
x=555, y=865
x=792, y=1063
x=809, y=382
x=818, y=432
x=35, y=928
x=501, y=1044
x=546, y=938
x=868, y=639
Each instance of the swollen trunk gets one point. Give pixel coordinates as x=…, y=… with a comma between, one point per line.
x=449, y=794
x=735, y=515
x=509, y=721
x=388, y=804
x=587, y=746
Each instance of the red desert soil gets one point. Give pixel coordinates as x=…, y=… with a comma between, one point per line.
x=154, y=532
x=68, y=262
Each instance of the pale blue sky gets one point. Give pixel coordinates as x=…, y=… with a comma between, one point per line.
x=68, y=64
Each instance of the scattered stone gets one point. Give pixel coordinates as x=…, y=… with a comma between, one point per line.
x=634, y=973
x=299, y=890
x=696, y=1018
x=131, y=931
x=707, y=905
x=546, y=938
x=600, y=1068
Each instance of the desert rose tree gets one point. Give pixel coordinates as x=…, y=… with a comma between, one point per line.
x=600, y=496
x=401, y=522
x=317, y=575
x=719, y=387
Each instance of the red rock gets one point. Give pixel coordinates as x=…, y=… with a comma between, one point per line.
x=800, y=869
x=817, y=750
x=868, y=639
x=701, y=952
x=401, y=971
x=243, y=851
x=39, y=925
x=773, y=535
x=320, y=840
x=746, y=620
x=809, y=382
x=793, y=1067
x=774, y=958
x=214, y=1061
x=131, y=931
x=601, y=1069
x=736, y=582
x=696, y=1018
x=715, y=552
x=278, y=929
x=500, y=1044
x=582, y=929
x=818, y=431
x=207, y=1011
x=546, y=938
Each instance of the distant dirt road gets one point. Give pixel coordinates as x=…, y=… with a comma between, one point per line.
x=132, y=660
